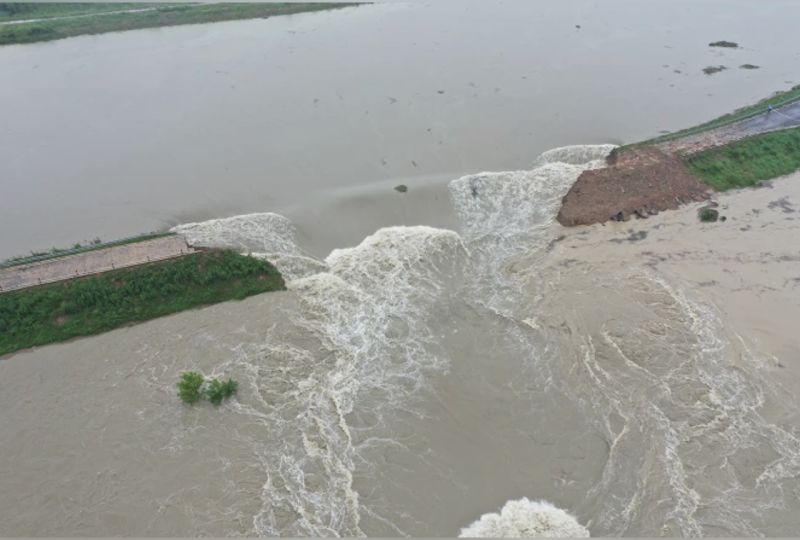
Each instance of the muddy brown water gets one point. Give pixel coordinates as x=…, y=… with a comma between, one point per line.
x=641, y=376
x=118, y=134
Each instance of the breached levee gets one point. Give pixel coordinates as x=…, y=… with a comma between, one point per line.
x=262, y=235
x=637, y=182
x=524, y=518
x=370, y=306
x=628, y=353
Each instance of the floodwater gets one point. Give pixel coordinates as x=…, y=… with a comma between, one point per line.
x=440, y=354
x=118, y=134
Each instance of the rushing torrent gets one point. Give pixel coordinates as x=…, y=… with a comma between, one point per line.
x=414, y=382
x=674, y=405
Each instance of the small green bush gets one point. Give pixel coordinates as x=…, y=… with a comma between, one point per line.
x=217, y=391
x=708, y=215
x=189, y=387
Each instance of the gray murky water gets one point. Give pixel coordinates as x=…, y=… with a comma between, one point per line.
x=117, y=134
x=437, y=369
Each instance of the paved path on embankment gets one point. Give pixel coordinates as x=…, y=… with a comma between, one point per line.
x=784, y=117
x=93, y=262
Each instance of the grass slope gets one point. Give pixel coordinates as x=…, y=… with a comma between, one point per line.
x=91, y=305
x=749, y=161
x=74, y=22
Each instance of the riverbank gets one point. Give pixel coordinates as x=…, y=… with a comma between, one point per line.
x=29, y=23
x=737, y=150
x=91, y=305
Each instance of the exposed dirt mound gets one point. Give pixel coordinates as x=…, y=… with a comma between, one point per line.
x=638, y=182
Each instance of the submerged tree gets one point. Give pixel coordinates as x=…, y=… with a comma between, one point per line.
x=217, y=391
x=189, y=387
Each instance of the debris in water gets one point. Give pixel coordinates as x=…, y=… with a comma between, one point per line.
x=710, y=70
x=402, y=188
x=726, y=44
x=749, y=66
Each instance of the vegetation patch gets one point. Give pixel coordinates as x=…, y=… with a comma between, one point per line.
x=708, y=215
x=190, y=389
x=723, y=43
x=710, y=70
x=45, y=22
x=749, y=161
x=87, y=306
x=218, y=391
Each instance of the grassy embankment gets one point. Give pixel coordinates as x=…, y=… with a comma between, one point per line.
x=86, y=306
x=61, y=20
x=749, y=161
x=746, y=162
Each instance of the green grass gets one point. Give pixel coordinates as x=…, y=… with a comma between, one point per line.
x=90, y=20
x=777, y=100
x=749, y=161
x=87, y=306
x=54, y=252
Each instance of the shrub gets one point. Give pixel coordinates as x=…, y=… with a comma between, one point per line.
x=217, y=391
x=189, y=387
x=708, y=215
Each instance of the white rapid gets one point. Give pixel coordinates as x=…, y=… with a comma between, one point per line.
x=524, y=518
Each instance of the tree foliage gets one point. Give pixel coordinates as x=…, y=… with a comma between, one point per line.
x=189, y=387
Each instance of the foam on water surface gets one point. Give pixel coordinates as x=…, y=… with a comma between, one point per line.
x=524, y=518
x=264, y=235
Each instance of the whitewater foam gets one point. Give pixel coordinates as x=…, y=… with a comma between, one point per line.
x=524, y=518
x=265, y=235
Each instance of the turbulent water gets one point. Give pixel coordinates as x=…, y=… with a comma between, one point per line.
x=474, y=368
x=414, y=384
x=642, y=410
